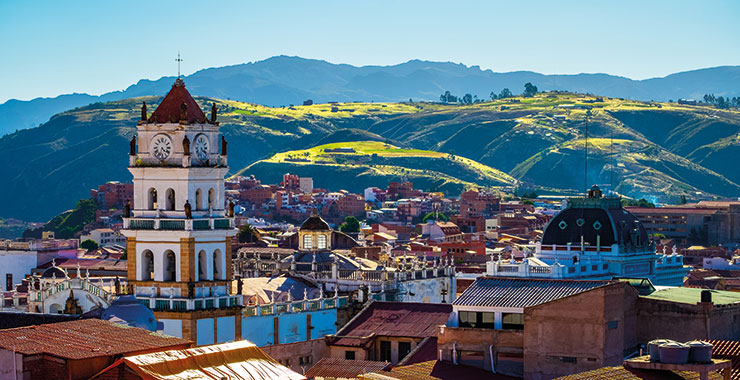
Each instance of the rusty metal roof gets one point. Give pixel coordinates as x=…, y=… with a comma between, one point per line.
x=398, y=319
x=341, y=368
x=85, y=338
x=521, y=292
x=436, y=370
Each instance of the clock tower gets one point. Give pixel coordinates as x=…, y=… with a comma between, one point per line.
x=179, y=229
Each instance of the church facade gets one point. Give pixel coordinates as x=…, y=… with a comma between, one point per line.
x=179, y=228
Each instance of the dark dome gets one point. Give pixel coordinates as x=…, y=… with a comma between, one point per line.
x=128, y=310
x=54, y=270
x=595, y=217
x=315, y=223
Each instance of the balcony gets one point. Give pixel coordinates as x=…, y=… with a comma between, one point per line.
x=165, y=224
x=184, y=304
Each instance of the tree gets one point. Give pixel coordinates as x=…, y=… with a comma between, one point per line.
x=529, y=90
x=467, y=99
x=505, y=93
x=247, y=234
x=351, y=224
x=493, y=95
x=434, y=216
x=89, y=245
x=447, y=97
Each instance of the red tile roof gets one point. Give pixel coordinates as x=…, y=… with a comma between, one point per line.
x=341, y=368
x=170, y=109
x=622, y=373
x=86, y=338
x=398, y=319
x=438, y=370
x=730, y=350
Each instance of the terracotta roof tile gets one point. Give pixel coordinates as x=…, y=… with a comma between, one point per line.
x=621, y=373
x=170, y=109
x=521, y=292
x=438, y=370
x=400, y=319
x=333, y=367
x=86, y=338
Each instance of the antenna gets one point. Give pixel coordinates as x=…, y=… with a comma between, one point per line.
x=178, y=63
x=611, y=153
x=585, y=161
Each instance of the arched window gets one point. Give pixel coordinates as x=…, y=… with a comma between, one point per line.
x=321, y=242
x=170, y=200
x=202, y=266
x=152, y=199
x=307, y=242
x=219, y=272
x=170, y=266
x=211, y=199
x=147, y=266
x=199, y=199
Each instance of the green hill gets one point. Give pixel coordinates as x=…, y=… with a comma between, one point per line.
x=665, y=150
x=357, y=165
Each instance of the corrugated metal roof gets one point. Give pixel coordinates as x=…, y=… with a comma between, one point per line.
x=399, y=319
x=521, y=292
x=237, y=360
x=86, y=338
x=341, y=368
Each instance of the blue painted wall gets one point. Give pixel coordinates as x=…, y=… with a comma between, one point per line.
x=291, y=327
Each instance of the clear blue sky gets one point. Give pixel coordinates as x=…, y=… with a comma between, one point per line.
x=49, y=48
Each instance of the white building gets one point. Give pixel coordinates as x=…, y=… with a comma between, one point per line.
x=179, y=236
x=104, y=237
x=595, y=238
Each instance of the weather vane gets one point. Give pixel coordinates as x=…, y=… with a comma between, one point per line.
x=178, y=63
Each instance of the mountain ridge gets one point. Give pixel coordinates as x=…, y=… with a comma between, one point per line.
x=284, y=80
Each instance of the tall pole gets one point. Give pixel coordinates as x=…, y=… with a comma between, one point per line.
x=585, y=160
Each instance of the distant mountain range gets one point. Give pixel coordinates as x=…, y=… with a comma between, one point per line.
x=286, y=80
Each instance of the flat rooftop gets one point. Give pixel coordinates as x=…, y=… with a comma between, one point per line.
x=693, y=295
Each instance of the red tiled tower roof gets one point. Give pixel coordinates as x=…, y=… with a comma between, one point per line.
x=175, y=105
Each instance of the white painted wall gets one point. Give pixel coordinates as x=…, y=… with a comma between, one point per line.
x=172, y=327
x=17, y=263
x=205, y=331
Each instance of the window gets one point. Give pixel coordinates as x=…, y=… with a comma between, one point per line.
x=349, y=355
x=170, y=267
x=170, y=200
x=152, y=199
x=513, y=321
x=9, y=282
x=307, y=242
x=148, y=266
x=403, y=349
x=476, y=319
x=385, y=351
x=611, y=325
x=568, y=359
x=322, y=242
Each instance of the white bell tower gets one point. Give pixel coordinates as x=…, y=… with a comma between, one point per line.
x=179, y=229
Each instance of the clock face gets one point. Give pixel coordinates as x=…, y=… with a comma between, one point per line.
x=161, y=147
x=201, y=147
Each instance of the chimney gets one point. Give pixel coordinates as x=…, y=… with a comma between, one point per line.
x=706, y=296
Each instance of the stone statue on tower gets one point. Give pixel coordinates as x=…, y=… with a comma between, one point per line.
x=143, y=111
x=132, y=146
x=214, y=110
x=223, y=145
x=186, y=146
